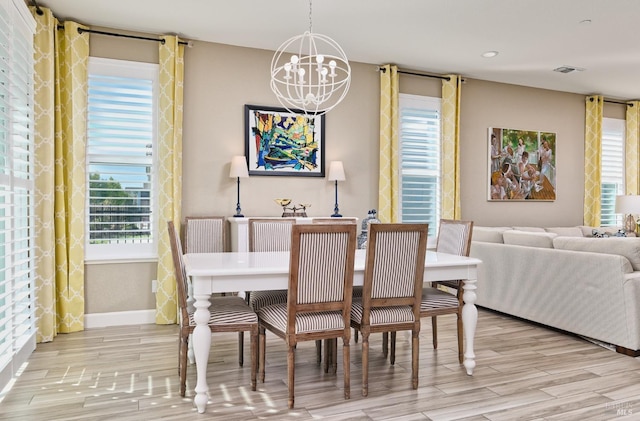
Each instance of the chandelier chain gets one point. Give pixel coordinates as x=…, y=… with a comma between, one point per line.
x=310, y=20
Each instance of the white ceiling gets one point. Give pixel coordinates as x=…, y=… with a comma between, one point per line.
x=440, y=36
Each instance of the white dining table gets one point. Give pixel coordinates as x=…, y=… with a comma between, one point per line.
x=228, y=272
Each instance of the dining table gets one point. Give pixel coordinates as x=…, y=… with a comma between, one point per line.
x=257, y=271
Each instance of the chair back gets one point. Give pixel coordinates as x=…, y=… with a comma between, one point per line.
x=270, y=234
x=321, y=270
x=394, y=269
x=204, y=234
x=454, y=237
x=181, y=276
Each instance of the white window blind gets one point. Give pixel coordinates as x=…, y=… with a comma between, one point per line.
x=420, y=160
x=17, y=296
x=121, y=121
x=612, y=170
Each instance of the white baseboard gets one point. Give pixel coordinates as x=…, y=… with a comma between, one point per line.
x=120, y=318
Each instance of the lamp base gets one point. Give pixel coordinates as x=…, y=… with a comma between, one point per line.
x=336, y=215
x=629, y=224
x=238, y=216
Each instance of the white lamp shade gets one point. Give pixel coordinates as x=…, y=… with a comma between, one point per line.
x=628, y=204
x=238, y=167
x=336, y=171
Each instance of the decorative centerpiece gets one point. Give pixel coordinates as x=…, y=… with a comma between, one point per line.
x=290, y=212
x=364, y=231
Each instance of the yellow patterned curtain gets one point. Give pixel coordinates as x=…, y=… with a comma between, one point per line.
x=388, y=210
x=451, y=90
x=60, y=101
x=632, y=148
x=592, y=162
x=169, y=170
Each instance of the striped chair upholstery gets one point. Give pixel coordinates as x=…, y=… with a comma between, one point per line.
x=320, y=287
x=454, y=237
x=228, y=314
x=269, y=235
x=204, y=234
x=392, y=288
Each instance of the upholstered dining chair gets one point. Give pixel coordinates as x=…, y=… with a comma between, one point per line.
x=454, y=237
x=390, y=302
x=330, y=346
x=228, y=314
x=266, y=234
x=319, y=295
x=204, y=234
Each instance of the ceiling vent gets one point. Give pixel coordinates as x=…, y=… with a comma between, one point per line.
x=567, y=69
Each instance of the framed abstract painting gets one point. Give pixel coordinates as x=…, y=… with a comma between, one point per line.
x=522, y=165
x=284, y=143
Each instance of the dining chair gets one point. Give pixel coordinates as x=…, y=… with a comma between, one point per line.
x=319, y=295
x=393, y=276
x=454, y=237
x=228, y=314
x=331, y=345
x=269, y=235
x=204, y=234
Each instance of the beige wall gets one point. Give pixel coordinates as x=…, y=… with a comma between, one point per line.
x=221, y=79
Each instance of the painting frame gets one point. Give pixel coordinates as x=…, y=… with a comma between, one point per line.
x=279, y=142
x=521, y=165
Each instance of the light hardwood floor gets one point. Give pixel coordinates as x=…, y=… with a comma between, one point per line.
x=523, y=372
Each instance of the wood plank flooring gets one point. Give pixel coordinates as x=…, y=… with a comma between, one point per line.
x=524, y=372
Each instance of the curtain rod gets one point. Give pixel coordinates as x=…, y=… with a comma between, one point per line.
x=114, y=34
x=38, y=9
x=407, y=72
x=611, y=101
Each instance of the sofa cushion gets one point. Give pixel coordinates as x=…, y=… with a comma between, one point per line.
x=628, y=247
x=566, y=231
x=529, y=229
x=529, y=238
x=488, y=234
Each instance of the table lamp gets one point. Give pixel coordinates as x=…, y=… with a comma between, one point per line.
x=628, y=205
x=238, y=170
x=336, y=173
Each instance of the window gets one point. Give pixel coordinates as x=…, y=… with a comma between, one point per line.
x=121, y=133
x=420, y=160
x=612, y=170
x=17, y=290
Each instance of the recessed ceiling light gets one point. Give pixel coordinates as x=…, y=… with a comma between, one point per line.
x=585, y=21
x=489, y=54
x=568, y=69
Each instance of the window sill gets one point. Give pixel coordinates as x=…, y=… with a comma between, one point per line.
x=120, y=260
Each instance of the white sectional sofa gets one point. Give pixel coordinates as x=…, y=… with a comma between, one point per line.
x=561, y=278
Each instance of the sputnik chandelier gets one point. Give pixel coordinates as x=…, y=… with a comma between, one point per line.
x=310, y=73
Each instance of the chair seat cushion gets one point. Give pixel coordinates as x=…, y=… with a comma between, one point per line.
x=259, y=299
x=276, y=316
x=435, y=299
x=228, y=310
x=381, y=315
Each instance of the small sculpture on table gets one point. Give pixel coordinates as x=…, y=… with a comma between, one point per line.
x=364, y=232
x=291, y=212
